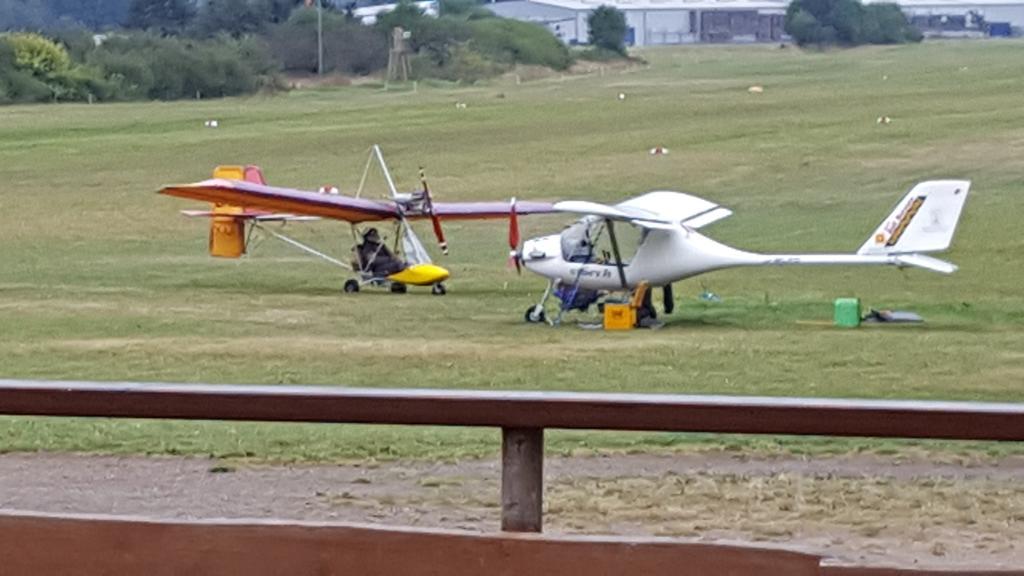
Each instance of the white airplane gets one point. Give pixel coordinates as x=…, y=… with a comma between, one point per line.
x=671, y=249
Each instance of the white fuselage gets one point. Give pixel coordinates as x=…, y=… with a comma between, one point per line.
x=665, y=255
x=671, y=249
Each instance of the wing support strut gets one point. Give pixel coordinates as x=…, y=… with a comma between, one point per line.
x=303, y=247
x=615, y=250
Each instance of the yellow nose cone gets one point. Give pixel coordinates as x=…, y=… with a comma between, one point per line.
x=420, y=275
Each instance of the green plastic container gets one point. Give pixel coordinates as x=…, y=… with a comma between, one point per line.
x=847, y=314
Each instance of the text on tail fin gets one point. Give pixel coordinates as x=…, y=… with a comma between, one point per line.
x=923, y=221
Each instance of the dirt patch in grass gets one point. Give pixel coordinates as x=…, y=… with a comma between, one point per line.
x=855, y=508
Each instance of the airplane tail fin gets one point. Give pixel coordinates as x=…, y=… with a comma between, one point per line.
x=923, y=221
x=227, y=229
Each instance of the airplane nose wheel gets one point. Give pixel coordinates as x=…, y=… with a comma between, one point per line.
x=351, y=287
x=397, y=288
x=438, y=289
x=535, y=314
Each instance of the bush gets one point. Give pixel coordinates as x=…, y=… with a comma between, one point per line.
x=463, y=65
x=847, y=22
x=76, y=40
x=6, y=54
x=18, y=85
x=349, y=47
x=469, y=43
x=41, y=69
x=595, y=54
x=515, y=42
x=440, y=38
x=129, y=74
x=168, y=68
x=405, y=15
x=886, y=24
x=81, y=84
x=38, y=55
x=607, y=29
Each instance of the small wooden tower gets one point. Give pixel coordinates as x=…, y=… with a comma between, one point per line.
x=398, y=56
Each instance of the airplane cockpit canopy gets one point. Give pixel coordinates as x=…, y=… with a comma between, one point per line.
x=579, y=238
x=587, y=241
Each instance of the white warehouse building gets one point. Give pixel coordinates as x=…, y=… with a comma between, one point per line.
x=953, y=18
x=659, y=22
x=654, y=22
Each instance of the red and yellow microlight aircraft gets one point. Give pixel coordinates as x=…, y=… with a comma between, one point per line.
x=242, y=199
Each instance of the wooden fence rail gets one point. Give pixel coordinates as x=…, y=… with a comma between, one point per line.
x=51, y=544
x=522, y=416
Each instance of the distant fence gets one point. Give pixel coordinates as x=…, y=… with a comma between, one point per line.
x=522, y=416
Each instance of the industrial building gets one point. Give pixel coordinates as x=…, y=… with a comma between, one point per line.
x=660, y=22
x=964, y=18
x=366, y=11
x=654, y=22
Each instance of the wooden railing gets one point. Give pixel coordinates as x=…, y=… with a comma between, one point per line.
x=522, y=416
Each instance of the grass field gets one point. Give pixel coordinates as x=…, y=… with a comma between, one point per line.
x=101, y=279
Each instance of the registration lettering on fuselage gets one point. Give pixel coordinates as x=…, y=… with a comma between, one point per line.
x=785, y=260
x=583, y=272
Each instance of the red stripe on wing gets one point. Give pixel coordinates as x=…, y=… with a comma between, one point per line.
x=261, y=197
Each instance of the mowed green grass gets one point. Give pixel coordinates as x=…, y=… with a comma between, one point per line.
x=101, y=279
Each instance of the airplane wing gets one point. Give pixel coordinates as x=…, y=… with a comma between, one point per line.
x=485, y=210
x=249, y=214
x=260, y=197
x=653, y=210
x=260, y=200
x=639, y=217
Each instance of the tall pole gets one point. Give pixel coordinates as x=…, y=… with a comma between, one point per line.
x=319, y=37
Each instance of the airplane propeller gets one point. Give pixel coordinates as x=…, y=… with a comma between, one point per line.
x=429, y=205
x=514, y=258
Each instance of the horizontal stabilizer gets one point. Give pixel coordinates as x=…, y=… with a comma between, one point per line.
x=926, y=262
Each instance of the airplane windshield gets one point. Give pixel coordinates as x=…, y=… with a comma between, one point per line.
x=579, y=238
x=587, y=242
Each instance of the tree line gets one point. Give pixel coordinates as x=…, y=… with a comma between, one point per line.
x=848, y=23
x=169, y=49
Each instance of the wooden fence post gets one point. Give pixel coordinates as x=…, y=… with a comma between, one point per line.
x=522, y=479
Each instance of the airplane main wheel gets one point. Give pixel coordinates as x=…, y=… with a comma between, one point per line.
x=535, y=314
x=398, y=288
x=438, y=289
x=351, y=287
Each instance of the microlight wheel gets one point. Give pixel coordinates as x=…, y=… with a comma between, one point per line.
x=351, y=286
x=398, y=288
x=535, y=314
x=438, y=289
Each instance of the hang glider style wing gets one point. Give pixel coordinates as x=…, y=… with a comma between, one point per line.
x=488, y=210
x=250, y=195
x=260, y=197
x=654, y=210
x=248, y=214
